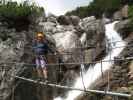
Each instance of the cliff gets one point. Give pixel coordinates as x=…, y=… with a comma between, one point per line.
x=16, y=50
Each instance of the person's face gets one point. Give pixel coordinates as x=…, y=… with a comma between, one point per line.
x=39, y=38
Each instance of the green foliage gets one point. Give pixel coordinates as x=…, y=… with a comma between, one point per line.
x=12, y=12
x=97, y=8
x=80, y=11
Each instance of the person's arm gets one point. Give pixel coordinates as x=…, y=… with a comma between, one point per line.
x=34, y=47
x=49, y=49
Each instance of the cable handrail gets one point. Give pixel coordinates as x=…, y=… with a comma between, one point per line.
x=76, y=63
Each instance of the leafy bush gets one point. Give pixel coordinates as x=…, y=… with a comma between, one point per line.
x=17, y=15
x=97, y=8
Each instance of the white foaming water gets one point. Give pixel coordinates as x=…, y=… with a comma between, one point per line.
x=83, y=38
x=93, y=73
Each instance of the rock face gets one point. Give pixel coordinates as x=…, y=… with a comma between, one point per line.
x=95, y=36
x=117, y=15
x=125, y=11
x=67, y=20
x=11, y=50
x=123, y=28
x=120, y=75
x=66, y=35
x=16, y=49
x=121, y=80
x=72, y=38
x=75, y=20
x=66, y=42
x=121, y=14
x=64, y=20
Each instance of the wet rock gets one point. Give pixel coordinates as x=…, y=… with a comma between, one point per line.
x=123, y=90
x=95, y=33
x=124, y=71
x=131, y=77
x=67, y=42
x=63, y=32
x=11, y=50
x=75, y=20
x=89, y=19
x=117, y=74
x=123, y=28
x=116, y=68
x=64, y=20
x=47, y=26
x=70, y=77
x=124, y=11
x=16, y=47
x=52, y=19
x=79, y=31
x=106, y=20
x=107, y=98
x=117, y=15
x=91, y=27
x=121, y=14
x=131, y=71
x=94, y=30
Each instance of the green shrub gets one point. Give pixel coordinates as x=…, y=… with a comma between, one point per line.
x=17, y=15
x=97, y=8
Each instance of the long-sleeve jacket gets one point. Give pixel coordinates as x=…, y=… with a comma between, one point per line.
x=41, y=48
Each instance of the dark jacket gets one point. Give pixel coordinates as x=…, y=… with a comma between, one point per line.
x=41, y=48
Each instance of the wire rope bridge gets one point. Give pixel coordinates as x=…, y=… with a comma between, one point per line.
x=72, y=88
x=106, y=92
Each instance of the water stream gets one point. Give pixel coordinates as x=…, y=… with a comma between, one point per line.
x=93, y=73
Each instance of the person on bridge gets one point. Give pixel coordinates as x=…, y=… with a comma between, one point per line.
x=41, y=49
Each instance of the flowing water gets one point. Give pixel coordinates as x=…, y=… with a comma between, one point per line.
x=93, y=73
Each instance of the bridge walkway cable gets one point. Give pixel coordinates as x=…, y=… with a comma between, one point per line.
x=72, y=88
x=77, y=89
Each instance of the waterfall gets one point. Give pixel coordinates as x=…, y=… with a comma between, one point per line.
x=93, y=73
